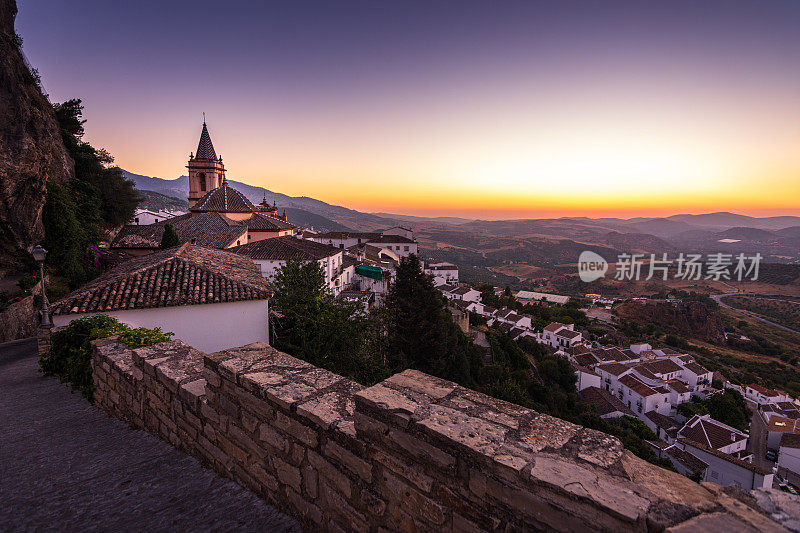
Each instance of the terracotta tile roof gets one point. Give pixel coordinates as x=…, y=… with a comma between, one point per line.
x=660, y=366
x=285, y=248
x=603, y=401
x=763, y=390
x=783, y=424
x=678, y=386
x=694, y=367
x=710, y=432
x=179, y=276
x=515, y=332
x=211, y=230
x=462, y=290
x=205, y=150
x=790, y=440
x=637, y=386
x=392, y=239
x=568, y=334
x=553, y=327
x=261, y=222
x=615, y=369
x=725, y=456
x=224, y=199
x=364, y=236
x=692, y=463
x=663, y=421
x=585, y=359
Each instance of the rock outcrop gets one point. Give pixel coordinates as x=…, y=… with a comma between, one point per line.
x=31, y=150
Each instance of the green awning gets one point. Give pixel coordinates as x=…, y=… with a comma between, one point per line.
x=370, y=272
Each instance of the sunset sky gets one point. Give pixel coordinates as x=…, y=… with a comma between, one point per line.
x=483, y=109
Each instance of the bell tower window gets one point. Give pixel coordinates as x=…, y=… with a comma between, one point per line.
x=202, y=177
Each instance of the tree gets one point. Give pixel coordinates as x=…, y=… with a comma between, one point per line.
x=323, y=331
x=78, y=213
x=65, y=236
x=421, y=331
x=170, y=238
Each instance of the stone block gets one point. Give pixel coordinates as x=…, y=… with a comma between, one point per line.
x=327, y=470
x=349, y=460
x=413, y=474
x=296, y=429
x=287, y=474
x=272, y=437
x=414, y=502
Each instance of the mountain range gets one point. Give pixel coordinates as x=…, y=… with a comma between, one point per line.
x=537, y=241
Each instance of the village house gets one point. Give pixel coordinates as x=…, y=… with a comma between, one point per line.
x=763, y=396
x=460, y=292
x=560, y=336
x=272, y=254
x=715, y=434
x=727, y=470
x=443, y=273
x=192, y=291
x=393, y=239
x=146, y=216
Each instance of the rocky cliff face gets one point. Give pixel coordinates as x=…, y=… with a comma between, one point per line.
x=31, y=150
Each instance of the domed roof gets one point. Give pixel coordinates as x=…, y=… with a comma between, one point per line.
x=224, y=199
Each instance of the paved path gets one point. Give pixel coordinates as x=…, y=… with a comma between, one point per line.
x=65, y=465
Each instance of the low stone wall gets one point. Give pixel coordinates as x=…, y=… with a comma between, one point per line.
x=413, y=453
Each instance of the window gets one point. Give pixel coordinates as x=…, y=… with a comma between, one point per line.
x=405, y=248
x=137, y=220
x=202, y=178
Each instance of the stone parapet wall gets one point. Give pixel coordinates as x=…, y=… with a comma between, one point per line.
x=413, y=453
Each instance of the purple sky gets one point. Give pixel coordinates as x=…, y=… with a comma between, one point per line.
x=320, y=99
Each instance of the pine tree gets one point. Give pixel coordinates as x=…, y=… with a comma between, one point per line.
x=170, y=238
x=421, y=331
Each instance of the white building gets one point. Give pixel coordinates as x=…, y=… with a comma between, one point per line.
x=461, y=292
x=143, y=217
x=715, y=434
x=210, y=299
x=560, y=336
x=789, y=453
x=272, y=254
x=524, y=297
x=726, y=470
x=394, y=239
x=443, y=273
x=763, y=396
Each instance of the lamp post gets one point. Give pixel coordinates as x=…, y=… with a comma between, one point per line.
x=39, y=255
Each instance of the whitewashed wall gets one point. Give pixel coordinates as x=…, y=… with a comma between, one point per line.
x=208, y=327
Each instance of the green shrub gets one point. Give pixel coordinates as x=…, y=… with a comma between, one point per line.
x=70, y=355
x=28, y=281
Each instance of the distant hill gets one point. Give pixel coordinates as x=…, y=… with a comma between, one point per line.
x=155, y=201
x=307, y=211
x=725, y=220
x=749, y=234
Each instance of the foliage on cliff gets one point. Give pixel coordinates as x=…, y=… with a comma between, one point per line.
x=78, y=213
x=70, y=355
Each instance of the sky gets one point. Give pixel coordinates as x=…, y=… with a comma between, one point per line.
x=492, y=109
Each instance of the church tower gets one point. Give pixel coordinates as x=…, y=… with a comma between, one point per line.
x=206, y=171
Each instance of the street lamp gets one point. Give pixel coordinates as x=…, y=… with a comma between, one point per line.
x=39, y=255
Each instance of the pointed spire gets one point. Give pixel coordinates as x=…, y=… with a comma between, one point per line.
x=205, y=150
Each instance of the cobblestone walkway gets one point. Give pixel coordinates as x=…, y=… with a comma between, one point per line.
x=65, y=465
